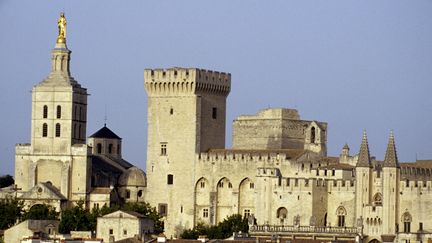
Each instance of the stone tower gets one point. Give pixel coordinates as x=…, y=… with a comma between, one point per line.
x=186, y=116
x=363, y=179
x=57, y=153
x=391, y=178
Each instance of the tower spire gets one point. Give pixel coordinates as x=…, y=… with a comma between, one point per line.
x=364, y=155
x=391, y=159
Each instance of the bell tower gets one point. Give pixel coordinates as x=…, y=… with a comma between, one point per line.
x=57, y=152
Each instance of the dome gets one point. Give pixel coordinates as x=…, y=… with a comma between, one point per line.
x=133, y=177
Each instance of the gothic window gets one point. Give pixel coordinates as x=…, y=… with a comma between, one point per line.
x=407, y=219
x=99, y=148
x=75, y=130
x=58, y=112
x=170, y=179
x=110, y=148
x=251, y=185
x=229, y=185
x=220, y=184
x=282, y=213
x=124, y=232
x=377, y=199
x=163, y=149
x=205, y=213
x=202, y=184
x=312, y=135
x=214, y=113
x=45, y=130
x=57, y=130
x=111, y=231
x=45, y=111
x=341, y=213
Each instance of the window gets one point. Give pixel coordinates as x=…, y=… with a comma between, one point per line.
x=163, y=149
x=58, y=112
x=252, y=185
x=333, y=172
x=171, y=111
x=99, y=148
x=170, y=179
x=127, y=194
x=140, y=193
x=80, y=113
x=124, y=232
x=75, y=130
x=246, y=213
x=45, y=111
x=163, y=209
x=79, y=131
x=118, y=149
x=110, y=148
x=221, y=184
x=377, y=199
x=214, y=113
x=44, y=130
x=312, y=140
x=229, y=185
x=75, y=112
x=111, y=231
x=341, y=213
x=282, y=214
x=406, y=218
x=205, y=213
x=57, y=132
x=202, y=184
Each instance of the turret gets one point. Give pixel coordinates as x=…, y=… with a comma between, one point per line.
x=364, y=155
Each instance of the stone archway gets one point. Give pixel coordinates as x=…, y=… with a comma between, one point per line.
x=374, y=241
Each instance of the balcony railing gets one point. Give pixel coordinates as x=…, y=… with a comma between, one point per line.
x=303, y=229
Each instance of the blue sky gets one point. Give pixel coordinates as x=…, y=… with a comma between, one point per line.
x=354, y=64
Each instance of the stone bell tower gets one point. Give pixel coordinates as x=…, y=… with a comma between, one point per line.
x=186, y=116
x=57, y=153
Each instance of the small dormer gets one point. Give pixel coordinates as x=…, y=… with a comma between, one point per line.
x=105, y=142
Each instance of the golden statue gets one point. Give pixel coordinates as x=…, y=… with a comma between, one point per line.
x=61, y=23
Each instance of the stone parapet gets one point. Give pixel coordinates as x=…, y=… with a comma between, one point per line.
x=184, y=81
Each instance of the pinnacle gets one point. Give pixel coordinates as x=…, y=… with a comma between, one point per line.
x=391, y=159
x=364, y=155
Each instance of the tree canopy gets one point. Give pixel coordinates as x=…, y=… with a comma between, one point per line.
x=6, y=180
x=223, y=230
x=11, y=211
x=41, y=212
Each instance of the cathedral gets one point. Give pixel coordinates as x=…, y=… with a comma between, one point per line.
x=277, y=173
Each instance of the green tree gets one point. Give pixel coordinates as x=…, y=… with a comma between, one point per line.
x=41, y=212
x=148, y=211
x=75, y=219
x=223, y=230
x=11, y=211
x=6, y=180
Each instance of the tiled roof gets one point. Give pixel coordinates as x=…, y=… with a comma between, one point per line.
x=105, y=132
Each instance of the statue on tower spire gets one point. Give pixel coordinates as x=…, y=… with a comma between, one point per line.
x=61, y=23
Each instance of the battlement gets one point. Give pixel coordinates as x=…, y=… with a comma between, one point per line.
x=186, y=81
x=226, y=155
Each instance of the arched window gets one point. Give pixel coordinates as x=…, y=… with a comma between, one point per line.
x=110, y=148
x=57, y=130
x=58, y=112
x=45, y=111
x=406, y=219
x=312, y=135
x=377, y=199
x=282, y=213
x=341, y=213
x=99, y=148
x=45, y=130
x=79, y=131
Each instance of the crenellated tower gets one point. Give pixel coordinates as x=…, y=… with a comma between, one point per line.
x=186, y=116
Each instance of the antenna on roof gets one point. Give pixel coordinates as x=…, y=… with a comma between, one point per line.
x=105, y=117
